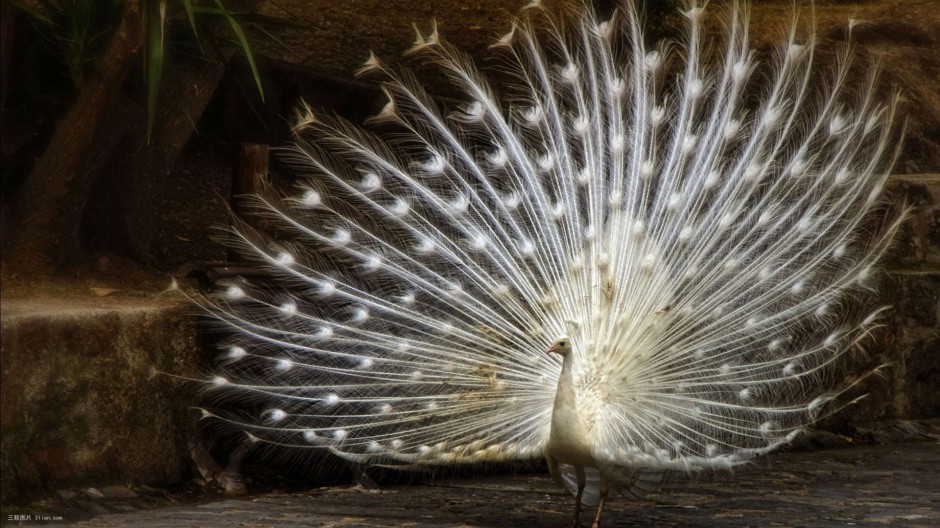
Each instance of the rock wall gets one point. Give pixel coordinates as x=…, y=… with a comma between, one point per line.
x=80, y=404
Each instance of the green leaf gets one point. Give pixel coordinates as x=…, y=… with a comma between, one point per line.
x=37, y=14
x=270, y=35
x=243, y=41
x=155, y=23
x=191, y=15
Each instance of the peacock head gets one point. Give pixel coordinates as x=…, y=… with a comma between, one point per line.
x=561, y=346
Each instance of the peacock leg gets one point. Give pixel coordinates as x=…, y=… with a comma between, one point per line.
x=600, y=505
x=576, y=520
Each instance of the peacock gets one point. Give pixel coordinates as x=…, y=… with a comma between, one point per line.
x=638, y=258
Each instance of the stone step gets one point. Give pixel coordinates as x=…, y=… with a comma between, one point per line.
x=80, y=404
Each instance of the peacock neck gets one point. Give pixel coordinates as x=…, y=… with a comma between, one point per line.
x=569, y=439
x=566, y=377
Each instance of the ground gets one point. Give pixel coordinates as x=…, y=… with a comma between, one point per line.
x=895, y=485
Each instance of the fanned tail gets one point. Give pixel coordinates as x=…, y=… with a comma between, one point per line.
x=704, y=253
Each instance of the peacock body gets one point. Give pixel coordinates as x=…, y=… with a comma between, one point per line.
x=642, y=258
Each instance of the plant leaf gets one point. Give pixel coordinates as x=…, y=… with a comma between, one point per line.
x=155, y=22
x=191, y=15
x=37, y=14
x=243, y=41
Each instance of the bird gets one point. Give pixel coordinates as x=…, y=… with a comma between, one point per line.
x=626, y=258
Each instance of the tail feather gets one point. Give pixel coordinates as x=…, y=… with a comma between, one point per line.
x=704, y=253
x=639, y=482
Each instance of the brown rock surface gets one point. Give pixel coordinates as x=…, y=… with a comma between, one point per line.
x=80, y=404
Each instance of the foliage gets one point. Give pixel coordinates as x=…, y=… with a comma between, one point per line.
x=78, y=30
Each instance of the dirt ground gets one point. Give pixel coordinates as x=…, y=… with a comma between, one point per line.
x=894, y=485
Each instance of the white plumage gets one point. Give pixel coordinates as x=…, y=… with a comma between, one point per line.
x=691, y=234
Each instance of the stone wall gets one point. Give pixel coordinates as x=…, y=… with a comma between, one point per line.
x=80, y=404
x=909, y=343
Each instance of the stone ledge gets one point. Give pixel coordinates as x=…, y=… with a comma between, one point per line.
x=79, y=402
